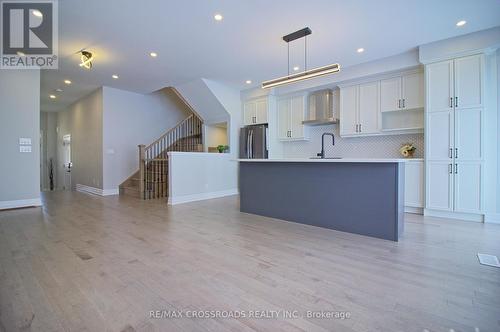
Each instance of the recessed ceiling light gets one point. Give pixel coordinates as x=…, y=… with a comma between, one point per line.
x=360, y=50
x=461, y=23
x=218, y=17
x=52, y=96
x=37, y=13
x=153, y=54
x=59, y=90
x=20, y=53
x=115, y=76
x=296, y=68
x=248, y=82
x=67, y=82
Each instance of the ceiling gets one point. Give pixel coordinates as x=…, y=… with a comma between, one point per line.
x=245, y=45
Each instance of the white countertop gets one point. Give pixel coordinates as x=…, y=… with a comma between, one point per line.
x=343, y=160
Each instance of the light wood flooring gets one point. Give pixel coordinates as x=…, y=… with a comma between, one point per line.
x=86, y=263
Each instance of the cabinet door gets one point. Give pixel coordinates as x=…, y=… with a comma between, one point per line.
x=284, y=119
x=349, y=110
x=439, y=179
x=439, y=131
x=261, y=111
x=468, y=193
x=249, y=113
x=439, y=87
x=468, y=82
x=390, y=94
x=414, y=184
x=413, y=91
x=468, y=135
x=368, y=108
x=297, y=115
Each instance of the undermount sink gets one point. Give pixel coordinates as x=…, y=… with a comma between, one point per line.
x=325, y=158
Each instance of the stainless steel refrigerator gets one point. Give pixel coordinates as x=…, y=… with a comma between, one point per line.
x=254, y=142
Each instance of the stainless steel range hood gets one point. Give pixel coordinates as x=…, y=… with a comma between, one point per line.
x=320, y=110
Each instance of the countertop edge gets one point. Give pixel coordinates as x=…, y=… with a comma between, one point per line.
x=343, y=160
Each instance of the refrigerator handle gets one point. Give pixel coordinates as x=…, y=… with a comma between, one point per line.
x=251, y=144
x=248, y=144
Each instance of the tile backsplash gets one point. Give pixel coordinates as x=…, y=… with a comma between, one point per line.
x=352, y=147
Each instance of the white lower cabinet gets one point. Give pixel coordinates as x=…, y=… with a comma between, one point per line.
x=414, y=185
x=439, y=185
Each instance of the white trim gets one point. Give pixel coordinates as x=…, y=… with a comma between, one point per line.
x=454, y=215
x=96, y=191
x=414, y=210
x=492, y=218
x=21, y=203
x=201, y=196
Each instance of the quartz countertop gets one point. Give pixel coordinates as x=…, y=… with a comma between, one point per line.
x=326, y=160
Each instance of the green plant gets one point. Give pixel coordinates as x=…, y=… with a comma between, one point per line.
x=222, y=148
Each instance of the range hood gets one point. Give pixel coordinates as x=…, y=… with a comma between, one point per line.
x=320, y=110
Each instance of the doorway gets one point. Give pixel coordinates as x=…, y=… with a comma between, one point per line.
x=67, y=164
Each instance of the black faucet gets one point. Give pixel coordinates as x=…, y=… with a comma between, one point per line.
x=322, y=153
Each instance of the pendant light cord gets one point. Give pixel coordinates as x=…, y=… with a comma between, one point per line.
x=305, y=53
x=288, y=45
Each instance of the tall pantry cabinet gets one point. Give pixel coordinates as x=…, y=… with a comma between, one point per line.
x=454, y=135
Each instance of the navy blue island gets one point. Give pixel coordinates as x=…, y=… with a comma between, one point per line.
x=361, y=196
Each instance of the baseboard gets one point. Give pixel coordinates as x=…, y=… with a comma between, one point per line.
x=201, y=196
x=414, y=210
x=454, y=215
x=21, y=203
x=492, y=218
x=96, y=191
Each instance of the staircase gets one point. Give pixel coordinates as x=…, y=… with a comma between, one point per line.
x=151, y=180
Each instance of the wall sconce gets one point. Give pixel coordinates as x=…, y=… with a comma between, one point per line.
x=86, y=59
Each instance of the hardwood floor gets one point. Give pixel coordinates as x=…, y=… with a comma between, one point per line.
x=85, y=263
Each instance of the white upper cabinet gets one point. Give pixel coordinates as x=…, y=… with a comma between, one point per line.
x=468, y=92
x=440, y=86
x=412, y=91
x=349, y=110
x=368, y=102
x=291, y=113
x=255, y=111
x=390, y=94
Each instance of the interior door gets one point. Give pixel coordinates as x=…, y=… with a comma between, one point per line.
x=67, y=164
x=390, y=94
x=297, y=115
x=439, y=193
x=468, y=87
x=249, y=112
x=439, y=87
x=348, y=110
x=261, y=111
x=284, y=119
x=413, y=91
x=368, y=108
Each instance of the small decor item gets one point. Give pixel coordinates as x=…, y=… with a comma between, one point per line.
x=222, y=148
x=407, y=150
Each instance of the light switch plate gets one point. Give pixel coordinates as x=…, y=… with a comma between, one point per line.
x=24, y=141
x=25, y=148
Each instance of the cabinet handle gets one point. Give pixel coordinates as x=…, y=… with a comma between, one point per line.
x=403, y=103
x=456, y=152
x=450, y=153
x=360, y=127
x=456, y=168
x=450, y=168
x=356, y=127
x=451, y=101
x=399, y=103
x=456, y=101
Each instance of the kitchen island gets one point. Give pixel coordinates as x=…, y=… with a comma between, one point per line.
x=361, y=196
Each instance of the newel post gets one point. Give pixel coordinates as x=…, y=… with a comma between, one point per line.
x=142, y=169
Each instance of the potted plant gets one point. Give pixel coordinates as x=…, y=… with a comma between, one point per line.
x=222, y=148
x=407, y=150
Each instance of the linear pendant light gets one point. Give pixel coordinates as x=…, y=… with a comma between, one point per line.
x=306, y=74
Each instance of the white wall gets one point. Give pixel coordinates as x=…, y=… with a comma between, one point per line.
x=83, y=121
x=131, y=119
x=195, y=176
x=215, y=135
x=19, y=117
